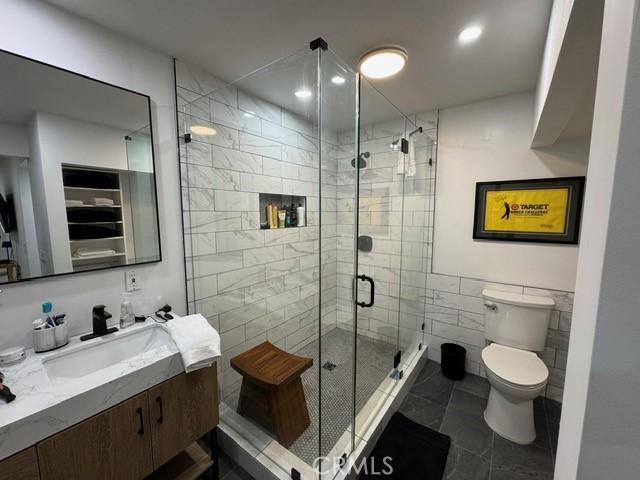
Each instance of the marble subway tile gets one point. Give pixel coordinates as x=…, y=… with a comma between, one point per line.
x=240, y=316
x=233, y=117
x=261, y=108
x=239, y=240
x=260, y=183
x=262, y=255
x=277, y=132
x=236, y=201
x=260, y=146
x=474, y=287
x=216, y=263
x=208, y=222
x=443, y=283
x=242, y=277
x=231, y=159
x=217, y=178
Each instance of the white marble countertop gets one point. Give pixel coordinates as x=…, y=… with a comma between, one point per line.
x=43, y=408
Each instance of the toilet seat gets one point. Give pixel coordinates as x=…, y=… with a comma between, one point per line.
x=515, y=367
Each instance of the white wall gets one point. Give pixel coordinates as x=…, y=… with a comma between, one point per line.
x=490, y=140
x=13, y=140
x=600, y=428
x=558, y=21
x=43, y=32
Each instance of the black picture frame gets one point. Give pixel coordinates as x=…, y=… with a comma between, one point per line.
x=573, y=214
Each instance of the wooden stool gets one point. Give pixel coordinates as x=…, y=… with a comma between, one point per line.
x=272, y=392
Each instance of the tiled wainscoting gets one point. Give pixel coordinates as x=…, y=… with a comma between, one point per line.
x=454, y=314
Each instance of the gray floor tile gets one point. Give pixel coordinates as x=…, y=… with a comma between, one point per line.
x=468, y=402
x=436, y=388
x=422, y=411
x=462, y=465
x=474, y=384
x=520, y=462
x=540, y=420
x=553, y=410
x=464, y=422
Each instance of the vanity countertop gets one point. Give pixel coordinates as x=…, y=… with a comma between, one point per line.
x=43, y=407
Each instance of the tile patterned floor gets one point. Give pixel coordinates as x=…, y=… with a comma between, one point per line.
x=477, y=453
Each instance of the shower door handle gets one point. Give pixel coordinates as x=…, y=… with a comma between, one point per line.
x=365, y=278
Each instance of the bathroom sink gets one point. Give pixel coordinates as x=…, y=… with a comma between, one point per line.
x=123, y=349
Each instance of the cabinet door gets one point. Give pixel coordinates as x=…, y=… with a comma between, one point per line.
x=114, y=444
x=183, y=409
x=21, y=466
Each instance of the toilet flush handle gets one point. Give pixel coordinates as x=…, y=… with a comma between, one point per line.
x=491, y=306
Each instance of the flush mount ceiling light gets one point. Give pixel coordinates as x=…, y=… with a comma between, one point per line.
x=203, y=130
x=338, y=80
x=303, y=93
x=470, y=34
x=383, y=62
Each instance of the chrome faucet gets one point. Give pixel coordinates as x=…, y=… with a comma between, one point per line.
x=100, y=317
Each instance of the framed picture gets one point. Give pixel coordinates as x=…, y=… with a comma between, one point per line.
x=539, y=210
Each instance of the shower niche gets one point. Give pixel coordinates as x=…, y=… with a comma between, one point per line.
x=293, y=206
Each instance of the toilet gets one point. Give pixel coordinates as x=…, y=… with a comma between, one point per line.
x=517, y=327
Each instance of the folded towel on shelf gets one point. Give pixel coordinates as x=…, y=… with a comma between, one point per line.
x=74, y=203
x=93, y=252
x=100, y=201
x=197, y=341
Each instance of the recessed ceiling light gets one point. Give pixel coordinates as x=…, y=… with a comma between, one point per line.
x=470, y=34
x=203, y=130
x=338, y=80
x=383, y=62
x=303, y=93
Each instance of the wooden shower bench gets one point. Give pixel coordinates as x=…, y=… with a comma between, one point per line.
x=272, y=392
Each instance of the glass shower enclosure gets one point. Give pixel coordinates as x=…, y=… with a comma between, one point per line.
x=337, y=277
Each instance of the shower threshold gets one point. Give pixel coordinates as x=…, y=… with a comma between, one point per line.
x=377, y=398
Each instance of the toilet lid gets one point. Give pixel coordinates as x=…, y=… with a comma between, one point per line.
x=518, y=367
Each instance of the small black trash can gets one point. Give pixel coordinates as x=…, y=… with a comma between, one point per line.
x=452, y=360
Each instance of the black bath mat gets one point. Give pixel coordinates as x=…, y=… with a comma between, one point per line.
x=414, y=451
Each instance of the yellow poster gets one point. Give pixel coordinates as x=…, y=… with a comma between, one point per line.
x=539, y=210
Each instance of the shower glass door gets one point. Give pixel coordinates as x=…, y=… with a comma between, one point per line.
x=381, y=130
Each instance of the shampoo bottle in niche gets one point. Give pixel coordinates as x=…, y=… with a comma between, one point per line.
x=300, y=215
x=294, y=215
x=282, y=215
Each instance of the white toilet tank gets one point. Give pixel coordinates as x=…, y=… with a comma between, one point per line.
x=514, y=320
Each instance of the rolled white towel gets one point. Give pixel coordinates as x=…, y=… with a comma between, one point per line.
x=197, y=341
x=74, y=203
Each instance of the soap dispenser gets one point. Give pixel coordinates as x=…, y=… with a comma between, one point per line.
x=127, y=317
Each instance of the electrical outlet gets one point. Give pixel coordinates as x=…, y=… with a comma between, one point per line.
x=131, y=281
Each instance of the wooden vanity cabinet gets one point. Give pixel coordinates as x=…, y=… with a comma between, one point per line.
x=136, y=437
x=183, y=408
x=21, y=466
x=113, y=444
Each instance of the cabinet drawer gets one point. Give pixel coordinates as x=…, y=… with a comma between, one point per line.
x=113, y=444
x=21, y=466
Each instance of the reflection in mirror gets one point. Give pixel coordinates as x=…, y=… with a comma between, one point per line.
x=77, y=180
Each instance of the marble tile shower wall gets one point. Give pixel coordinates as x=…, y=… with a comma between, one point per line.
x=251, y=284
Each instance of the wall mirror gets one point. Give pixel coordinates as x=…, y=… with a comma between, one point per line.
x=77, y=177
